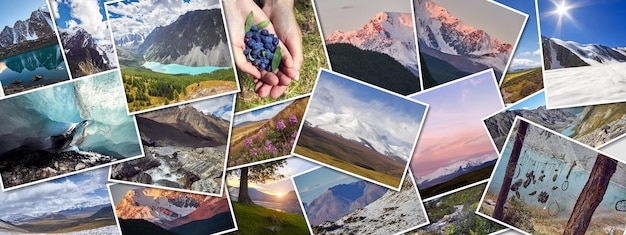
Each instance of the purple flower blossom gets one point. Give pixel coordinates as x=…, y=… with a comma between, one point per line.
x=239, y=161
x=293, y=119
x=280, y=125
x=295, y=134
x=254, y=151
x=291, y=142
x=247, y=143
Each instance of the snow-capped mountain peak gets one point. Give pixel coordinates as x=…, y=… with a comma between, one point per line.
x=157, y=206
x=390, y=33
x=452, y=169
x=563, y=54
x=350, y=127
x=440, y=30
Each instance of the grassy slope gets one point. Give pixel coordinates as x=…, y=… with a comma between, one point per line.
x=599, y=116
x=460, y=181
x=521, y=84
x=254, y=220
x=66, y=225
x=218, y=78
x=349, y=155
x=314, y=59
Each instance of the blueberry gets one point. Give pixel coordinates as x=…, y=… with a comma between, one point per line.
x=275, y=41
x=269, y=55
x=262, y=67
x=249, y=34
x=254, y=28
x=256, y=37
x=246, y=51
x=266, y=40
x=264, y=32
x=256, y=62
x=250, y=43
x=256, y=46
x=256, y=52
x=269, y=46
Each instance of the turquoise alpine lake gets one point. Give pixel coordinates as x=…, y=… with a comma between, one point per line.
x=180, y=69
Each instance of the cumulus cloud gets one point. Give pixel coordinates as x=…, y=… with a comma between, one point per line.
x=87, y=13
x=525, y=63
x=57, y=195
x=145, y=15
x=534, y=53
x=54, y=5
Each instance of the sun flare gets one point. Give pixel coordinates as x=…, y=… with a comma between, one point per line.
x=561, y=9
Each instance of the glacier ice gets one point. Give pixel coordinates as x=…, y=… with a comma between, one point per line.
x=29, y=120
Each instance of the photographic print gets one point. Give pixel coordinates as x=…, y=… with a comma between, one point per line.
x=264, y=199
x=65, y=129
x=74, y=205
x=141, y=210
x=360, y=129
x=267, y=133
x=582, y=68
x=185, y=147
x=455, y=38
x=171, y=52
x=312, y=52
x=455, y=214
x=30, y=55
x=336, y=203
x=524, y=76
x=594, y=126
x=454, y=150
x=376, y=44
x=555, y=185
x=85, y=36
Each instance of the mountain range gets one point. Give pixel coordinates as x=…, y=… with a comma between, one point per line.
x=390, y=33
x=182, y=126
x=566, y=54
x=173, y=210
x=341, y=200
x=349, y=126
x=28, y=34
x=84, y=54
x=500, y=124
x=458, y=168
x=391, y=213
x=38, y=25
x=447, y=40
x=78, y=218
x=196, y=38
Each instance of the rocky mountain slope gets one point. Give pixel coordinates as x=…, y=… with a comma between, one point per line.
x=197, y=38
x=393, y=212
x=444, y=33
x=84, y=55
x=35, y=32
x=566, y=54
x=342, y=199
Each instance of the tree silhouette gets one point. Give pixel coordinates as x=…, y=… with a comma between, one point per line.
x=262, y=173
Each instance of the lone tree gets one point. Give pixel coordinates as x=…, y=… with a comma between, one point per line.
x=498, y=212
x=262, y=173
x=591, y=196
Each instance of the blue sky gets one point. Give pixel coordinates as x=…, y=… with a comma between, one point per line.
x=312, y=184
x=260, y=114
x=12, y=11
x=85, y=189
x=86, y=14
x=396, y=117
x=221, y=106
x=599, y=21
x=528, y=52
x=532, y=102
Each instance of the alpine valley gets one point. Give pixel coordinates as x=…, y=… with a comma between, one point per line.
x=450, y=49
x=380, y=53
x=156, y=211
x=186, y=59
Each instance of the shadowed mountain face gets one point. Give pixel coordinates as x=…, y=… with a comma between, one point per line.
x=184, y=126
x=197, y=38
x=84, y=55
x=25, y=35
x=342, y=199
x=566, y=54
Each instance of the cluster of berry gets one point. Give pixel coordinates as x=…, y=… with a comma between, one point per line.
x=260, y=47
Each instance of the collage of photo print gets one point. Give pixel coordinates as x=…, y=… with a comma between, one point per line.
x=312, y=117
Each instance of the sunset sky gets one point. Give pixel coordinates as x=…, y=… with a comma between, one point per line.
x=295, y=165
x=453, y=130
x=332, y=13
